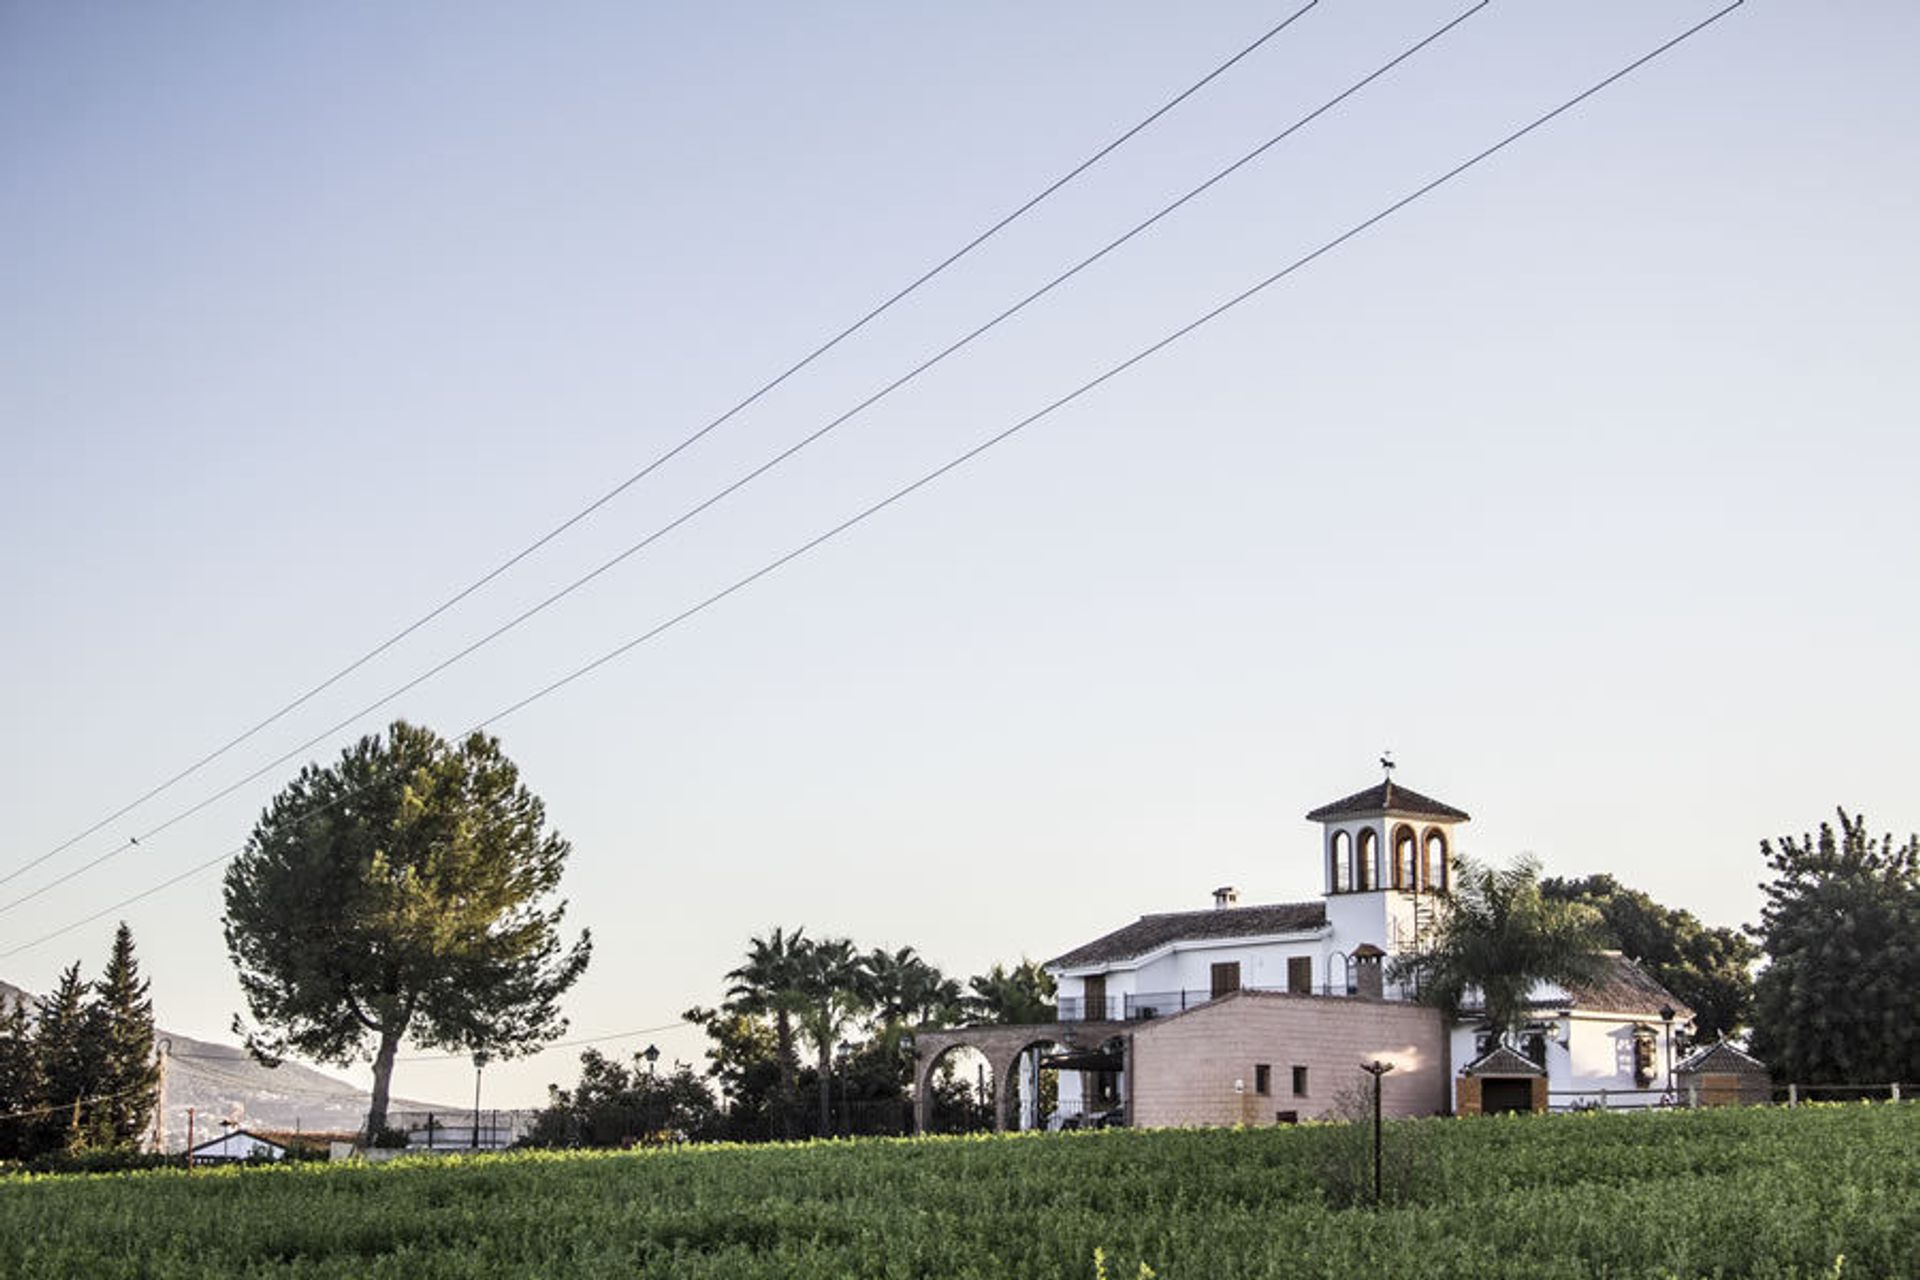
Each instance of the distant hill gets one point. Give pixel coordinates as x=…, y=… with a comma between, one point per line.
x=221, y=1082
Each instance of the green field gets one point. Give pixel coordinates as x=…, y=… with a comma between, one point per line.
x=1764, y=1192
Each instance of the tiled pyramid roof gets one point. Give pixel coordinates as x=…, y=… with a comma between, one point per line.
x=1387, y=798
x=1721, y=1057
x=1502, y=1060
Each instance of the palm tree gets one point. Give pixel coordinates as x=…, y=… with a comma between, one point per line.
x=906, y=991
x=1500, y=938
x=834, y=987
x=772, y=984
x=1023, y=995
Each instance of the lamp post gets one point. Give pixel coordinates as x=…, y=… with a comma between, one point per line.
x=480, y=1060
x=1666, y=1018
x=652, y=1054
x=1376, y=1069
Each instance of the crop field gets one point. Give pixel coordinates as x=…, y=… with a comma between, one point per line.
x=1815, y=1191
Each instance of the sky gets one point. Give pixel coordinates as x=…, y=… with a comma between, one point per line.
x=1582, y=484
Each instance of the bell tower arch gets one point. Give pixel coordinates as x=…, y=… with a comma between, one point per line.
x=1386, y=855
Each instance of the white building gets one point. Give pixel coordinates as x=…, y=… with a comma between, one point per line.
x=236, y=1144
x=1384, y=855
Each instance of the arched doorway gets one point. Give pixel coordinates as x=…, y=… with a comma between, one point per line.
x=959, y=1085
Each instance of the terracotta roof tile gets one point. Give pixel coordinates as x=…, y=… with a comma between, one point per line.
x=1387, y=798
x=1150, y=933
x=1503, y=1060
x=1721, y=1057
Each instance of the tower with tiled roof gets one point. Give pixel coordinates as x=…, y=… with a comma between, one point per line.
x=1385, y=854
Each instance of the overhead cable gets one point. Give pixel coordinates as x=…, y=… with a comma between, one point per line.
x=757, y=472
x=1000, y=437
x=662, y=459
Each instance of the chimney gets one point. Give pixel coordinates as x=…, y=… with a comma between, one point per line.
x=1368, y=978
x=1225, y=896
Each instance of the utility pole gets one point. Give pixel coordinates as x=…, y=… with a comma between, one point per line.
x=189, y=1139
x=1376, y=1070
x=163, y=1050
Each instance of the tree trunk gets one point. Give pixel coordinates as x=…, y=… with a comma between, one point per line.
x=783, y=1044
x=382, y=1080
x=826, y=1089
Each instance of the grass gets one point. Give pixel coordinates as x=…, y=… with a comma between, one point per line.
x=1762, y=1193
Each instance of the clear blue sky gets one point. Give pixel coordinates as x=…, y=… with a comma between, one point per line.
x=1584, y=485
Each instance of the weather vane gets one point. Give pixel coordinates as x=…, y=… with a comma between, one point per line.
x=1386, y=763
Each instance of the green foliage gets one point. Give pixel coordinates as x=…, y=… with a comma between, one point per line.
x=1345, y=1153
x=1499, y=937
x=1708, y=969
x=826, y=993
x=617, y=1105
x=81, y=1072
x=22, y=1085
x=119, y=1040
x=66, y=1070
x=1837, y=1001
x=1762, y=1194
x=1023, y=995
x=402, y=893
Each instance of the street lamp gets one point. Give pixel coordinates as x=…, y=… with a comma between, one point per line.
x=1376, y=1069
x=480, y=1060
x=1666, y=1017
x=652, y=1054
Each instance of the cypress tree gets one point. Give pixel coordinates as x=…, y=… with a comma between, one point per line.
x=119, y=1032
x=21, y=1087
x=61, y=1043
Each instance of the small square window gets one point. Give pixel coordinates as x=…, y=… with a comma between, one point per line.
x=1299, y=1082
x=1262, y=1078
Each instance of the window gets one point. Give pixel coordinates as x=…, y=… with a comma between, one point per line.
x=1263, y=1078
x=1299, y=1082
x=1300, y=975
x=1342, y=862
x=1366, y=862
x=1226, y=978
x=1436, y=868
x=1406, y=855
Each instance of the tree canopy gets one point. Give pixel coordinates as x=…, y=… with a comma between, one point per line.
x=77, y=1072
x=1708, y=969
x=825, y=992
x=1498, y=938
x=1839, y=999
x=403, y=893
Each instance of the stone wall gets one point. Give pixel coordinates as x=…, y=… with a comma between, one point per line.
x=1186, y=1068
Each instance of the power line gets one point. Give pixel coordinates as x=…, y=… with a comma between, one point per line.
x=754, y=474
x=990, y=442
x=57, y=1107
x=675, y=1025
x=673, y=452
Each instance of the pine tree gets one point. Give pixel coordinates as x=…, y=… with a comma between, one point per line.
x=119, y=1034
x=61, y=1043
x=21, y=1087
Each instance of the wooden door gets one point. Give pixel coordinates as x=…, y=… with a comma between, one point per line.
x=1226, y=978
x=1300, y=975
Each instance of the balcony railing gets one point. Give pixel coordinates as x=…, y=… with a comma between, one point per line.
x=1158, y=1004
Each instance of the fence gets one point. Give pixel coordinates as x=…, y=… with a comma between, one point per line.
x=461, y=1130
x=1694, y=1094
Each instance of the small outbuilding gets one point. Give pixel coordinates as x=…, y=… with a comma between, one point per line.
x=1500, y=1081
x=236, y=1145
x=1720, y=1075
